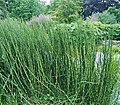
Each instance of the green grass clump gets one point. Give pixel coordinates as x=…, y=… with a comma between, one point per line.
x=115, y=49
x=44, y=63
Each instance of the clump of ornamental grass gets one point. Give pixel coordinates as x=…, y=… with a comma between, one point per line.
x=45, y=63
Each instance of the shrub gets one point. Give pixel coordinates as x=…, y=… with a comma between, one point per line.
x=107, y=29
x=106, y=18
x=115, y=11
x=99, y=29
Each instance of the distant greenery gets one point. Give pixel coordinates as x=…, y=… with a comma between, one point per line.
x=106, y=17
x=25, y=9
x=106, y=30
x=65, y=10
x=3, y=9
x=22, y=9
x=101, y=30
x=116, y=12
x=93, y=6
x=109, y=16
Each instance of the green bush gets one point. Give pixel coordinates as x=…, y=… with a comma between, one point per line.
x=115, y=11
x=45, y=63
x=106, y=17
x=99, y=29
x=108, y=29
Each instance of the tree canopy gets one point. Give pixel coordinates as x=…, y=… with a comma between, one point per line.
x=21, y=9
x=93, y=6
x=65, y=10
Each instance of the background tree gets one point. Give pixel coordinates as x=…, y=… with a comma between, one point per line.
x=25, y=9
x=65, y=10
x=93, y=6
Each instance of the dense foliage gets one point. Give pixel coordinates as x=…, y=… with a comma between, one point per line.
x=65, y=10
x=102, y=30
x=110, y=29
x=93, y=6
x=48, y=62
x=61, y=10
x=22, y=9
x=3, y=9
x=106, y=17
x=52, y=59
x=116, y=12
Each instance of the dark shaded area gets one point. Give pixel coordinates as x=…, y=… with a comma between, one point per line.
x=93, y=6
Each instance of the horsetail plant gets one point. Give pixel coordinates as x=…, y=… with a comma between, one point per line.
x=46, y=62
